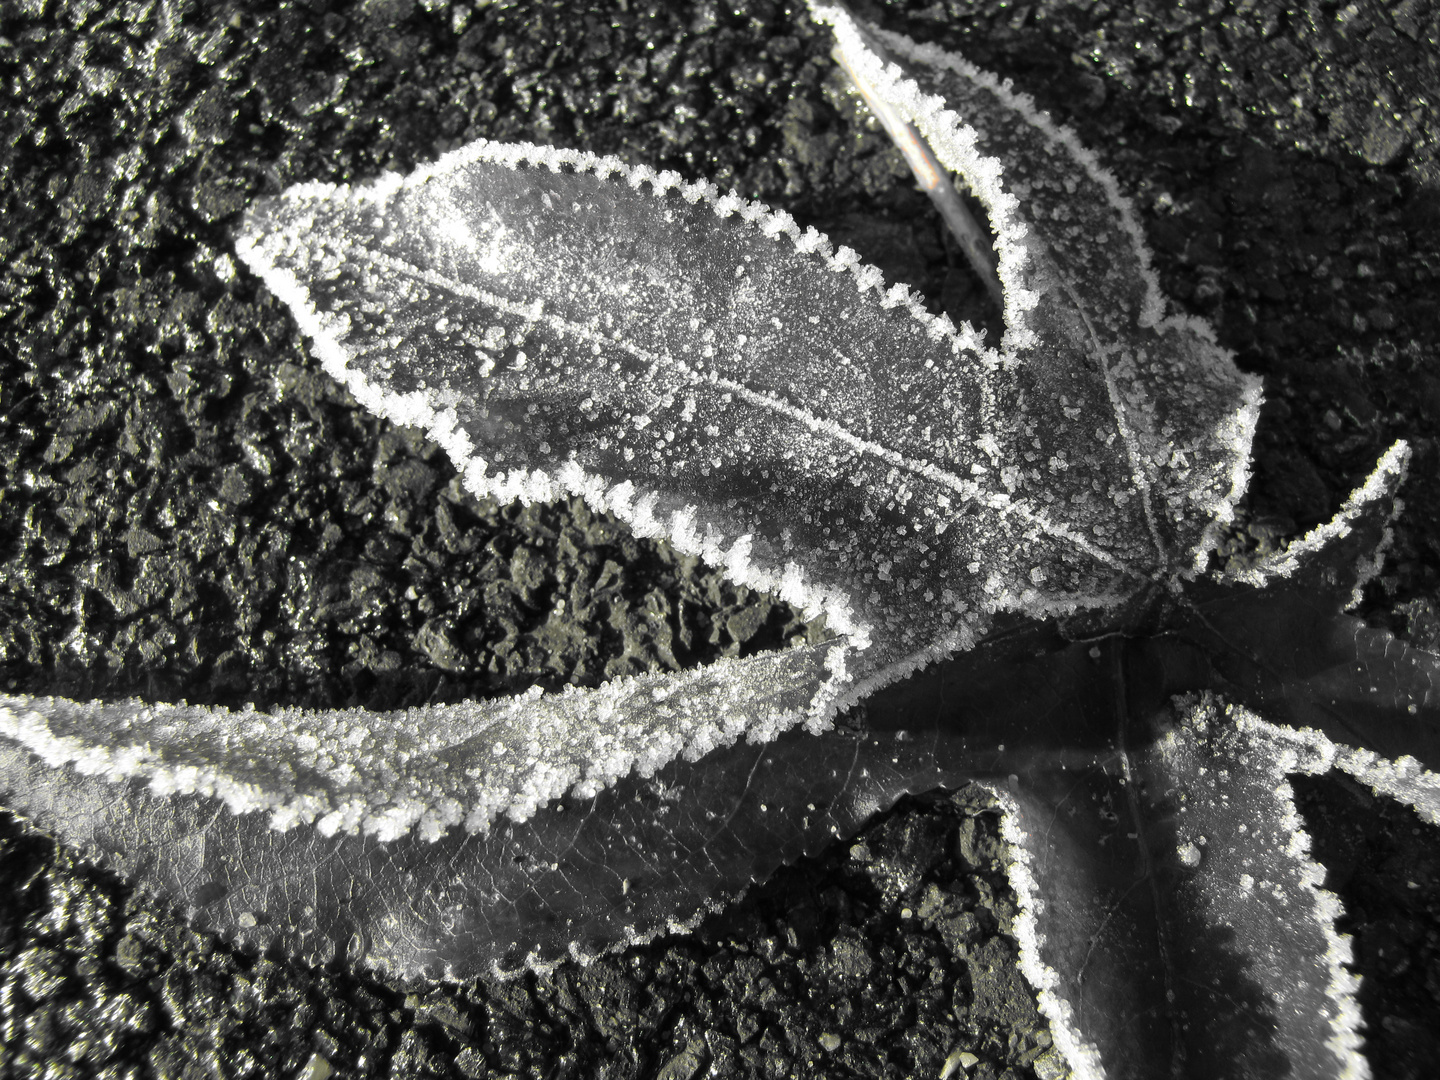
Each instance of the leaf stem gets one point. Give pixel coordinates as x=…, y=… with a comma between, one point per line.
x=932, y=177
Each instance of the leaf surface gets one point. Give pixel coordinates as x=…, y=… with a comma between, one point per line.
x=431, y=768
x=1138, y=407
x=1255, y=968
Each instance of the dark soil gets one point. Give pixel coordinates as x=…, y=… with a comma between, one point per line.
x=189, y=510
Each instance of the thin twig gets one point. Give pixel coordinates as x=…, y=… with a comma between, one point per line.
x=932, y=177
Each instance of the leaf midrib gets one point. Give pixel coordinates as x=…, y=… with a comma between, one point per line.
x=968, y=490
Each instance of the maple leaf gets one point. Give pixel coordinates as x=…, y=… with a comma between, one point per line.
x=1146, y=496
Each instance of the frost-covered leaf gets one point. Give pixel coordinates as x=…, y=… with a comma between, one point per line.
x=1187, y=881
x=560, y=322
x=1254, y=963
x=646, y=855
x=1296, y=661
x=1085, y=323
x=707, y=371
x=427, y=769
x=702, y=367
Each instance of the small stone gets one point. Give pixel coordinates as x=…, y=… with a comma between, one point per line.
x=686, y=1064
x=1050, y=1065
x=471, y=1063
x=958, y=1060
x=42, y=973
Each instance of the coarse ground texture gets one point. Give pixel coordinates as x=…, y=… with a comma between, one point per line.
x=190, y=510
